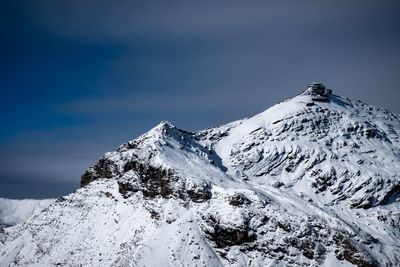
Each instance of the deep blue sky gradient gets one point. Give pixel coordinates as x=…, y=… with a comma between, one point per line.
x=78, y=78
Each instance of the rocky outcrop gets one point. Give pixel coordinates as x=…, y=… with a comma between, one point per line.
x=349, y=252
x=224, y=235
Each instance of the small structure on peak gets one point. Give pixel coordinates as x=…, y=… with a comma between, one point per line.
x=318, y=91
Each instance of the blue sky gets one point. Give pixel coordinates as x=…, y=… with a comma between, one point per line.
x=78, y=78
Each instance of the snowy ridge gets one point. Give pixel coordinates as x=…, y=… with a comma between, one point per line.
x=304, y=183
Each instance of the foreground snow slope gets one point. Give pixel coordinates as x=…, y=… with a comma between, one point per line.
x=15, y=211
x=302, y=184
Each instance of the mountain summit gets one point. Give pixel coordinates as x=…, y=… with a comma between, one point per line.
x=311, y=181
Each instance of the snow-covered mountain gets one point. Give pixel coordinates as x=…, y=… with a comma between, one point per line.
x=304, y=183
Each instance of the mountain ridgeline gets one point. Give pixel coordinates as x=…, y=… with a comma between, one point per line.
x=311, y=181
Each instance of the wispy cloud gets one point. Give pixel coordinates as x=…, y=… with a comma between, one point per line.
x=129, y=21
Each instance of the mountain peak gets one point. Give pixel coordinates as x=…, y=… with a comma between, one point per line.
x=164, y=125
x=161, y=128
x=310, y=181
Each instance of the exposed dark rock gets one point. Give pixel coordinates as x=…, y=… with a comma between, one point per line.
x=102, y=169
x=199, y=193
x=224, y=235
x=285, y=226
x=154, y=215
x=363, y=203
x=307, y=248
x=323, y=180
x=392, y=195
x=349, y=252
x=293, y=162
x=108, y=194
x=126, y=187
x=278, y=184
x=61, y=199
x=152, y=181
x=238, y=200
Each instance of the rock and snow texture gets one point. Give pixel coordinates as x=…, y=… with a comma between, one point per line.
x=302, y=184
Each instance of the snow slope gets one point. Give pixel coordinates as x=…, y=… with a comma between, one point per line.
x=302, y=184
x=15, y=211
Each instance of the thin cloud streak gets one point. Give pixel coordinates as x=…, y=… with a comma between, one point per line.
x=128, y=21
